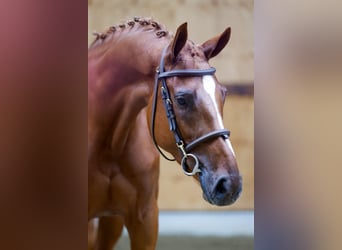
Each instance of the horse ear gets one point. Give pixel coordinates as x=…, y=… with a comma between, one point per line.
x=179, y=40
x=214, y=46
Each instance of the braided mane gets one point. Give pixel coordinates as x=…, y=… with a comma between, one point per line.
x=137, y=23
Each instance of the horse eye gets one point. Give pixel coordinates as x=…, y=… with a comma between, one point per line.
x=181, y=101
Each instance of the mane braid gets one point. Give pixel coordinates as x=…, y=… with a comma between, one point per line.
x=139, y=22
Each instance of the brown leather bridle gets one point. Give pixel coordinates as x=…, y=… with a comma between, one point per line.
x=161, y=76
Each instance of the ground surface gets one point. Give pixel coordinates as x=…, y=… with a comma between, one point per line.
x=197, y=243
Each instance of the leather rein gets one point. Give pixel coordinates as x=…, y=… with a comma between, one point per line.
x=161, y=76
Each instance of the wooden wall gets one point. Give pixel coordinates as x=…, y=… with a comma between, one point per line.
x=206, y=18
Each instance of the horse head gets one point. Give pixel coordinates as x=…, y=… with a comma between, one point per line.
x=190, y=127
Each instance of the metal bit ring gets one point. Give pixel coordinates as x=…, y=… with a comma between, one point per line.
x=184, y=165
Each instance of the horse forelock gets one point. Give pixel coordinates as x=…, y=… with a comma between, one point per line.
x=139, y=24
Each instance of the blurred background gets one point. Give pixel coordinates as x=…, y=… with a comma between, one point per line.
x=183, y=210
x=298, y=62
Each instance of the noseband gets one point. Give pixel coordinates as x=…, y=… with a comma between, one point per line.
x=184, y=149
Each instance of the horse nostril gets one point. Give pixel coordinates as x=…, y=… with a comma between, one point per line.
x=226, y=190
x=222, y=186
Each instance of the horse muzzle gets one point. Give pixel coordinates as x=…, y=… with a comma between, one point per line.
x=221, y=190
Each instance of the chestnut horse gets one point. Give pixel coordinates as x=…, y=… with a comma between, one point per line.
x=149, y=89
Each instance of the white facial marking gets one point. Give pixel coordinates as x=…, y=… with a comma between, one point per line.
x=210, y=86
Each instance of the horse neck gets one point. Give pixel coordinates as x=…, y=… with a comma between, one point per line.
x=121, y=81
x=127, y=61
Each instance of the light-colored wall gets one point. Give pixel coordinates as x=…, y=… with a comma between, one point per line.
x=206, y=18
